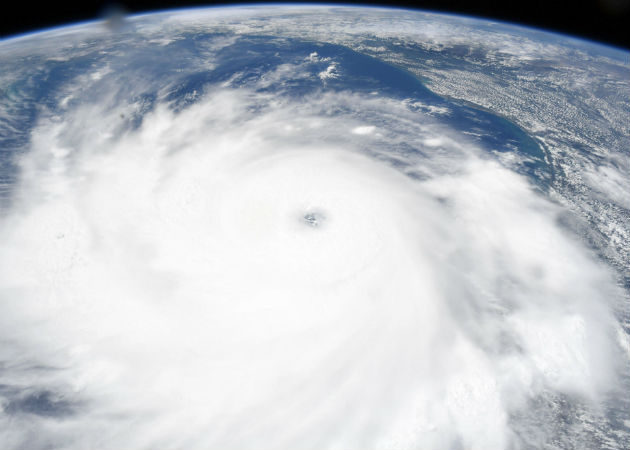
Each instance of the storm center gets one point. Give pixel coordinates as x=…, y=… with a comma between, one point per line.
x=313, y=218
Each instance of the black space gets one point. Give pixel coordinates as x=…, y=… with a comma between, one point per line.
x=605, y=21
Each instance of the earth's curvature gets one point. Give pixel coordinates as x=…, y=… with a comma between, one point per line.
x=296, y=227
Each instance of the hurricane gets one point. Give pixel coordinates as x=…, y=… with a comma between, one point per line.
x=246, y=262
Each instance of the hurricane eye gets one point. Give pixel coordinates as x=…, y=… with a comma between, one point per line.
x=314, y=219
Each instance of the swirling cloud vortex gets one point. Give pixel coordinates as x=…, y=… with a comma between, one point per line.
x=252, y=272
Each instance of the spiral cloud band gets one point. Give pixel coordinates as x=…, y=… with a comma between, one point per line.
x=255, y=271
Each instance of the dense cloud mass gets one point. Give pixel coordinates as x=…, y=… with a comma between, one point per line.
x=263, y=271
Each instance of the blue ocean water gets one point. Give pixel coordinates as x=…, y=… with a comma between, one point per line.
x=140, y=72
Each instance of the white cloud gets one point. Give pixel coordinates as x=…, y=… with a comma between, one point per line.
x=329, y=73
x=315, y=58
x=166, y=285
x=433, y=142
x=611, y=182
x=365, y=129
